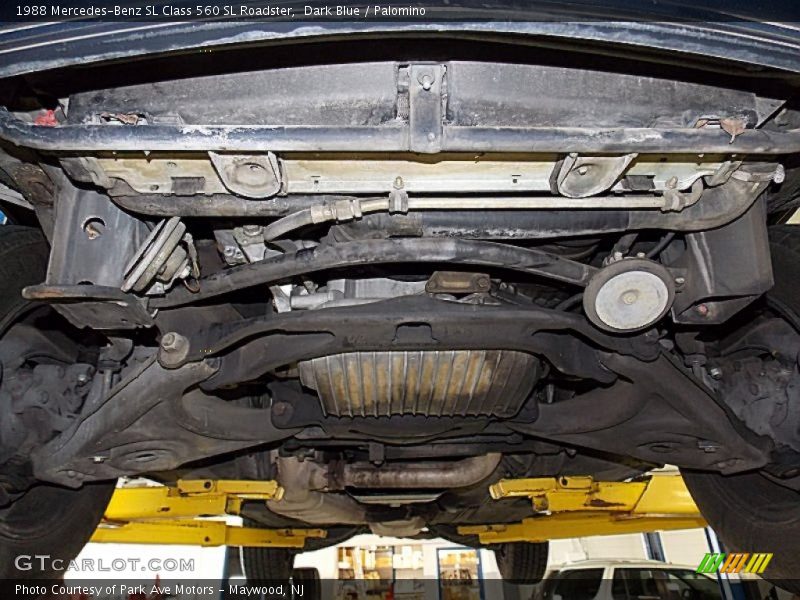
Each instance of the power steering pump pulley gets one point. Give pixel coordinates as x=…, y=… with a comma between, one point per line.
x=629, y=295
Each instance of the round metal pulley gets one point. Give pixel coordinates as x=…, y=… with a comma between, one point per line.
x=629, y=295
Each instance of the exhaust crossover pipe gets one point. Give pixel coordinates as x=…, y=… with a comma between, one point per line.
x=310, y=488
x=419, y=475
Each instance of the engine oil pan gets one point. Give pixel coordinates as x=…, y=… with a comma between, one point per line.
x=441, y=383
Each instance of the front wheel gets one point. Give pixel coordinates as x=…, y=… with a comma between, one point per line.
x=41, y=390
x=307, y=579
x=752, y=514
x=267, y=564
x=45, y=528
x=522, y=563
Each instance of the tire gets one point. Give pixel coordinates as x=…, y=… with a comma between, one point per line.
x=752, y=514
x=23, y=262
x=267, y=564
x=46, y=519
x=522, y=563
x=749, y=512
x=308, y=577
x=785, y=249
x=52, y=521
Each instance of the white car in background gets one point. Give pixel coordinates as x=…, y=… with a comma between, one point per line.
x=627, y=580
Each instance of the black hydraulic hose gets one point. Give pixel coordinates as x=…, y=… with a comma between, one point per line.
x=663, y=243
x=488, y=224
x=215, y=205
x=570, y=302
x=624, y=243
x=429, y=250
x=218, y=205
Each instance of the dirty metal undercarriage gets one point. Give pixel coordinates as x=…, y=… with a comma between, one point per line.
x=414, y=279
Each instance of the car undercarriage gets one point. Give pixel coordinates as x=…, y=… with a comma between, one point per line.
x=387, y=278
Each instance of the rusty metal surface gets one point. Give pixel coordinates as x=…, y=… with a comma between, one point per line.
x=457, y=282
x=104, y=306
x=429, y=382
x=419, y=475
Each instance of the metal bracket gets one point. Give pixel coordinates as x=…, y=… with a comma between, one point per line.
x=583, y=176
x=86, y=291
x=167, y=515
x=457, y=282
x=579, y=507
x=426, y=113
x=104, y=307
x=251, y=176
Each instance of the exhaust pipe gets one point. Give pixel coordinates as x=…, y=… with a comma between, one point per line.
x=421, y=475
x=301, y=482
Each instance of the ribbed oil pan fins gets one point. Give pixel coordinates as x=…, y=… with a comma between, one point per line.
x=442, y=383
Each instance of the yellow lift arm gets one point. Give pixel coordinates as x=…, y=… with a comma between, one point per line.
x=179, y=515
x=564, y=507
x=568, y=507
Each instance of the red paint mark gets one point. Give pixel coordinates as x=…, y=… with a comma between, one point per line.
x=47, y=119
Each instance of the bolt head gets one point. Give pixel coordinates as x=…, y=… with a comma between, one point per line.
x=172, y=342
x=780, y=174
x=426, y=81
x=702, y=310
x=174, y=349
